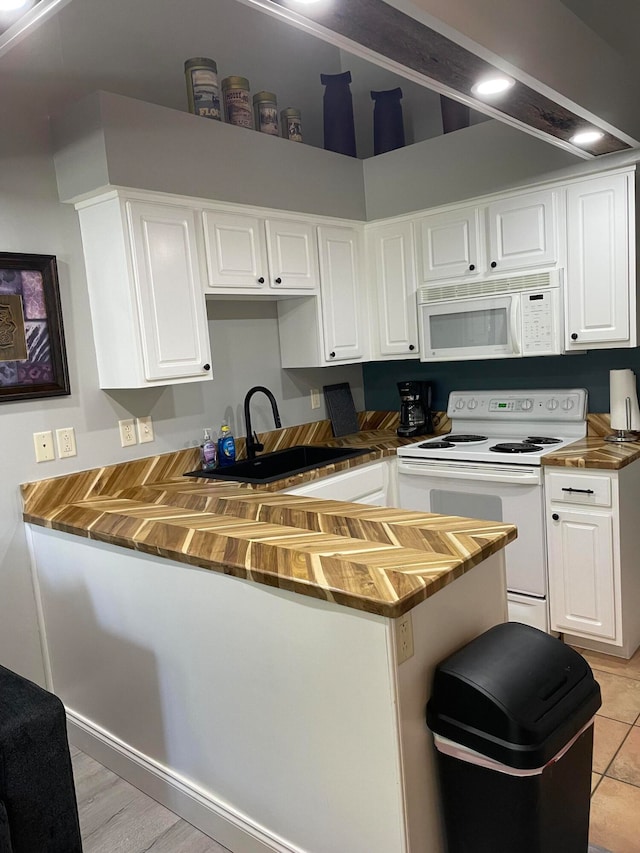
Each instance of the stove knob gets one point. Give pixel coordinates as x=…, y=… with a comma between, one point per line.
x=459, y=404
x=552, y=404
x=567, y=404
x=527, y=405
x=472, y=404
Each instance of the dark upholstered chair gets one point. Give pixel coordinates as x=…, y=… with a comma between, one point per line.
x=38, y=811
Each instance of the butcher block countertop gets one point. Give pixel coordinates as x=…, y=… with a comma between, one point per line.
x=593, y=451
x=376, y=559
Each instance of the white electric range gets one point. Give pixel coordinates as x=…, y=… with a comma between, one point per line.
x=489, y=467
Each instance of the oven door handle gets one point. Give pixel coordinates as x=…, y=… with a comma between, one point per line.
x=519, y=475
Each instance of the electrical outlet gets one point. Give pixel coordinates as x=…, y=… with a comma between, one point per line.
x=404, y=638
x=66, y=439
x=127, y=432
x=43, y=443
x=145, y=429
x=315, y=398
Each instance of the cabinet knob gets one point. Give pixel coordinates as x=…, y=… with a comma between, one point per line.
x=411, y=347
x=493, y=265
x=574, y=336
x=261, y=280
x=206, y=367
x=555, y=516
x=472, y=267
x=332, y=355
x=278, y=280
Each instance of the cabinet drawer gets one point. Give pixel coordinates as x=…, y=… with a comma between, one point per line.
x=578, y=489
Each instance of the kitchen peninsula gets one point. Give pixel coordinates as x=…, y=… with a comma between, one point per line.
x=245, y=655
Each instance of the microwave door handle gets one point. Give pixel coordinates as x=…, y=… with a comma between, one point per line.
x=514, y=324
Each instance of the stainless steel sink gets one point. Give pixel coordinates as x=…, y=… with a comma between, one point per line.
x=282, y=463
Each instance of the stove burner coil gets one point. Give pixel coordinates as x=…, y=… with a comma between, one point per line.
x=515, y=447
x=462, y=438
x=542, y=439
x=436, y=445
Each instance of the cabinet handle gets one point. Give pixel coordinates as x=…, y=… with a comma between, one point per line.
x=206, y=367
x=411, y=347
x=332, y=355
x=582, y=491
x=472, y=267
x=278, y=280
x=493, y=265
x=555, y=516
x=574, y=337
x=261, y=280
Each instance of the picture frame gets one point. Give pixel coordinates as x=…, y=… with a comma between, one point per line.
x=33, y=359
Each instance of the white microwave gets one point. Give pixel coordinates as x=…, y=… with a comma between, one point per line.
x=502, y=318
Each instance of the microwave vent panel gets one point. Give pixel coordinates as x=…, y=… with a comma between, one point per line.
x=492, y=287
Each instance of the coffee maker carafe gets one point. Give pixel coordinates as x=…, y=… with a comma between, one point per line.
x=415, y=408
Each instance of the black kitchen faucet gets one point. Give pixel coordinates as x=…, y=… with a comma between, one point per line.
x=253, y=445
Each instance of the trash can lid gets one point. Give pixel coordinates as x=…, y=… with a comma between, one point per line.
x=514, y=694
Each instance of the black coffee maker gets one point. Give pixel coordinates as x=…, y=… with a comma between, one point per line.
x=415, y=408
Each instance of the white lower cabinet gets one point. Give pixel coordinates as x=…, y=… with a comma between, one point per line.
x=368, y=484
x=331, y=328
x=145, y=289
x=593, y=540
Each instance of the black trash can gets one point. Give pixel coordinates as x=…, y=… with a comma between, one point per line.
x=512, y=716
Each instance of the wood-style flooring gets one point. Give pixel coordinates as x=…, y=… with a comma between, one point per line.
x=115, y=817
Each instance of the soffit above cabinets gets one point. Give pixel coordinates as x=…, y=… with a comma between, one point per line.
x=384, y=34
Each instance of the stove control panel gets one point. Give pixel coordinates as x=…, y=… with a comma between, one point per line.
x=552, y=405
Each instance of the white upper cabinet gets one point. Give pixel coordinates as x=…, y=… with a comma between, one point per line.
x=390, y=250
x=145, y=289
x=514, y=233
x=331, y=328
x=248, y=253
x=522, y=232
x=601, y=286
x=449, y=245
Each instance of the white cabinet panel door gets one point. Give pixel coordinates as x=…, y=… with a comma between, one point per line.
x=343, y=314
x=172, y=313
x=293, y=255
x=236, y=251
x=392, y=252
x=598, y=262
x=581, y=573
x=449, y=245
x=522, y=232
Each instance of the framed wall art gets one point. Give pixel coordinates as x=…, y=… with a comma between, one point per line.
x=33, y=360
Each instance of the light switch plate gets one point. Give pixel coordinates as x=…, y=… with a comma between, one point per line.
x=145, y=429
x=43, y=443
x=315, y=398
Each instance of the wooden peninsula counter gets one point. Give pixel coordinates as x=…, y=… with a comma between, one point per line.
x=259, y=661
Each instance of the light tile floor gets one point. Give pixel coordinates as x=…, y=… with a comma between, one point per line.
x=615, y=801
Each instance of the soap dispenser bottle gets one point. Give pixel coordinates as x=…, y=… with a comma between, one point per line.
x=208, y=452
x=226, y=446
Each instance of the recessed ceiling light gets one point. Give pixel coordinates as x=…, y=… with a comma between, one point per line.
x=495, y=85
x=9, y=5
x=586, y=137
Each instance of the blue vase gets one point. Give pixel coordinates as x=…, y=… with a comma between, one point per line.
x=339, y=127
x=388, y=126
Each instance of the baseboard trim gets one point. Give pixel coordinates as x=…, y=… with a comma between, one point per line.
x=197, y=806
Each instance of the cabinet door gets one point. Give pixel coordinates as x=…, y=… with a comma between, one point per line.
x=449, y=245
x=236, y=251
x=582, y=573
x=391, y=249
x=522, y=232
x=599, y=246
x=342, y=309
x=293, y=256
x=171, y=307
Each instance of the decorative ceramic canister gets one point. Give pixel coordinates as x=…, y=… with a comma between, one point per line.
x=291, y=121
x=265, y=107
x=202, y=87
x=339, y=127
x=388, y=126
x=237, y=101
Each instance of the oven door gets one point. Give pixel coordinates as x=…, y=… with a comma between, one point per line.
x=488, y=327
x=509, y=493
